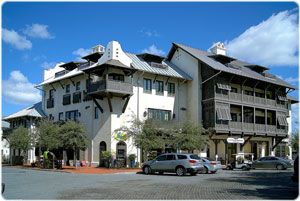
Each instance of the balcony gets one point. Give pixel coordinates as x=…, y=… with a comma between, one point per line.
x=248, y=127
x=235, y=97
x=50, y=103
x=117, y=88
x=259, y=101
x=236, y=126
x=271, y=128
x=67, y=99
x=271, y=102
x=282, y=131
x=77, y=97
x=260, y=128
x=248, y=99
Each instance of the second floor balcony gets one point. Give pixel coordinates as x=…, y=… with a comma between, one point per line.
x=115, y=87
x=240, y=127
x=251, y=100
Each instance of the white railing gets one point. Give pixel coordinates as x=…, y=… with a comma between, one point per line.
x=235, y=96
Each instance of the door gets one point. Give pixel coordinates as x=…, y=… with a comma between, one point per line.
x=158, y=164
x=102, y=147
x=121, y=153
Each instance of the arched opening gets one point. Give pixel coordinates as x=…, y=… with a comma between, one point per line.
x=121, y=153
x=102, y=147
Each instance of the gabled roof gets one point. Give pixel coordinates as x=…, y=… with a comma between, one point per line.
x=243, y=70
x=33, y=111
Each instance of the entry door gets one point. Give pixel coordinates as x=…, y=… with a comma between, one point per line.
x=231, y=150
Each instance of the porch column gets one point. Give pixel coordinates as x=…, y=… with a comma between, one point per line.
x=263, y=149
x=272, y=144
x=216, y=147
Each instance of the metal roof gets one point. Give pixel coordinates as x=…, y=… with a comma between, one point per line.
x=244, y=71
x=171, y=70
x=292, y=99
x=33, y=111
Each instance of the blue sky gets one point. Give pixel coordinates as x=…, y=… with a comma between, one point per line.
x=35, y=36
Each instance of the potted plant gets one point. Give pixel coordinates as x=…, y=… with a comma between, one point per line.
x=106, y=155
x=131, y=159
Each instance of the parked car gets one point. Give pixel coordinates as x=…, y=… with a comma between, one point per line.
x=174, y=162
x=210, y=166
x=295, y=176
x=271, y=162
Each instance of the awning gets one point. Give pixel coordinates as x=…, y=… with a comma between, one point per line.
x=224, y=86
x=282, y=121
x=223, y=113
x=282, y=98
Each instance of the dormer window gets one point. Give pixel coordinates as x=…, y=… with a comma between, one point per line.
x=68, y=88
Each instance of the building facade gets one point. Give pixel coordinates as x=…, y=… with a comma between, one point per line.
x=110, y=87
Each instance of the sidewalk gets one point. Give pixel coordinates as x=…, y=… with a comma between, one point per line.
x=82, y=170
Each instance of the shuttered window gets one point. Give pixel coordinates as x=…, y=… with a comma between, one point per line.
x=282, y=121
x=282, y=98
x=223, y=113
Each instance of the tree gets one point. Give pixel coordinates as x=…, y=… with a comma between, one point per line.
x=295, y=141
x=190, y=136
x=151, y=134
x=73, y=136
x=21, y=138
x=48, y=135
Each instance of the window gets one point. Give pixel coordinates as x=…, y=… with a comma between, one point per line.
x=171, y=157
x=60, y=116
x=51, y=93
x=234, y=117
x=159, y=85
x=195, y=157
x=72, y=115
x=171, y=88
x=97, y=113
x=282, y=121
x=223, y=113
x=147, y=85
x=259, y=120
x=233, y=90
x=162, y=115
x=77, y=86
x=249, y=93
x=161, y=158
x=180, y=157
x=68, y=88
x=116, y=77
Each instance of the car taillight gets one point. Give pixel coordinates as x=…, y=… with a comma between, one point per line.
x=213, y=163
x=192, y=161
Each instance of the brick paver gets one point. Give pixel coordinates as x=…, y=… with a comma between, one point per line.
x=239, y=185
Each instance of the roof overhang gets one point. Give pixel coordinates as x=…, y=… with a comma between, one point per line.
x=94, y=57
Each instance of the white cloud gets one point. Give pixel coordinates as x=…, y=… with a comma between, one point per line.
x=273, y=42
x=81, y=52
x=18, y=90
x=38, y=31
x=47, y=65
x=149, y=33
x=292, y=80
x=13, y=38
x=154, y=50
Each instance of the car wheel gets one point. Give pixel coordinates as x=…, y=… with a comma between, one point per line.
x=279, y=167
x=180, y=171
x=147, y=170
x=205, y=170
x=193, y=173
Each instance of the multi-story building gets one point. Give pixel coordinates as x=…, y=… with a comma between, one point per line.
x=233, y=98
x=236, y=99
x=110, y=89
x=27, y=118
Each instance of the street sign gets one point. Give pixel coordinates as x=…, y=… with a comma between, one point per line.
x=235, y=140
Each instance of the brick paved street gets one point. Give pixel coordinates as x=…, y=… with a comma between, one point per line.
x=255, y=184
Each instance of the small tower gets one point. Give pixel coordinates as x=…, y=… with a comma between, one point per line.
x=218, y=48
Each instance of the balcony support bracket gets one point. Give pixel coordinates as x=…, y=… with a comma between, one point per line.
x=155, y=78
x=125, y=104
x=52, y=86
x=62, y=86
x=98, y=105
x=167, y=81
x=277, y=143
x=72, y=81
x=247, y=140
x=109, y=102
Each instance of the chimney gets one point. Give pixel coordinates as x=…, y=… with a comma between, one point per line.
x=218, y=48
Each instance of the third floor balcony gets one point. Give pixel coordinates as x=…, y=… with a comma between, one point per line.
x=115, y=87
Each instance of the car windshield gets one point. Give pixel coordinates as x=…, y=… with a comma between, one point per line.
x=194, y=157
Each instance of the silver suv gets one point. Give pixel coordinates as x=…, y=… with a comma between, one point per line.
x=174, y=162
